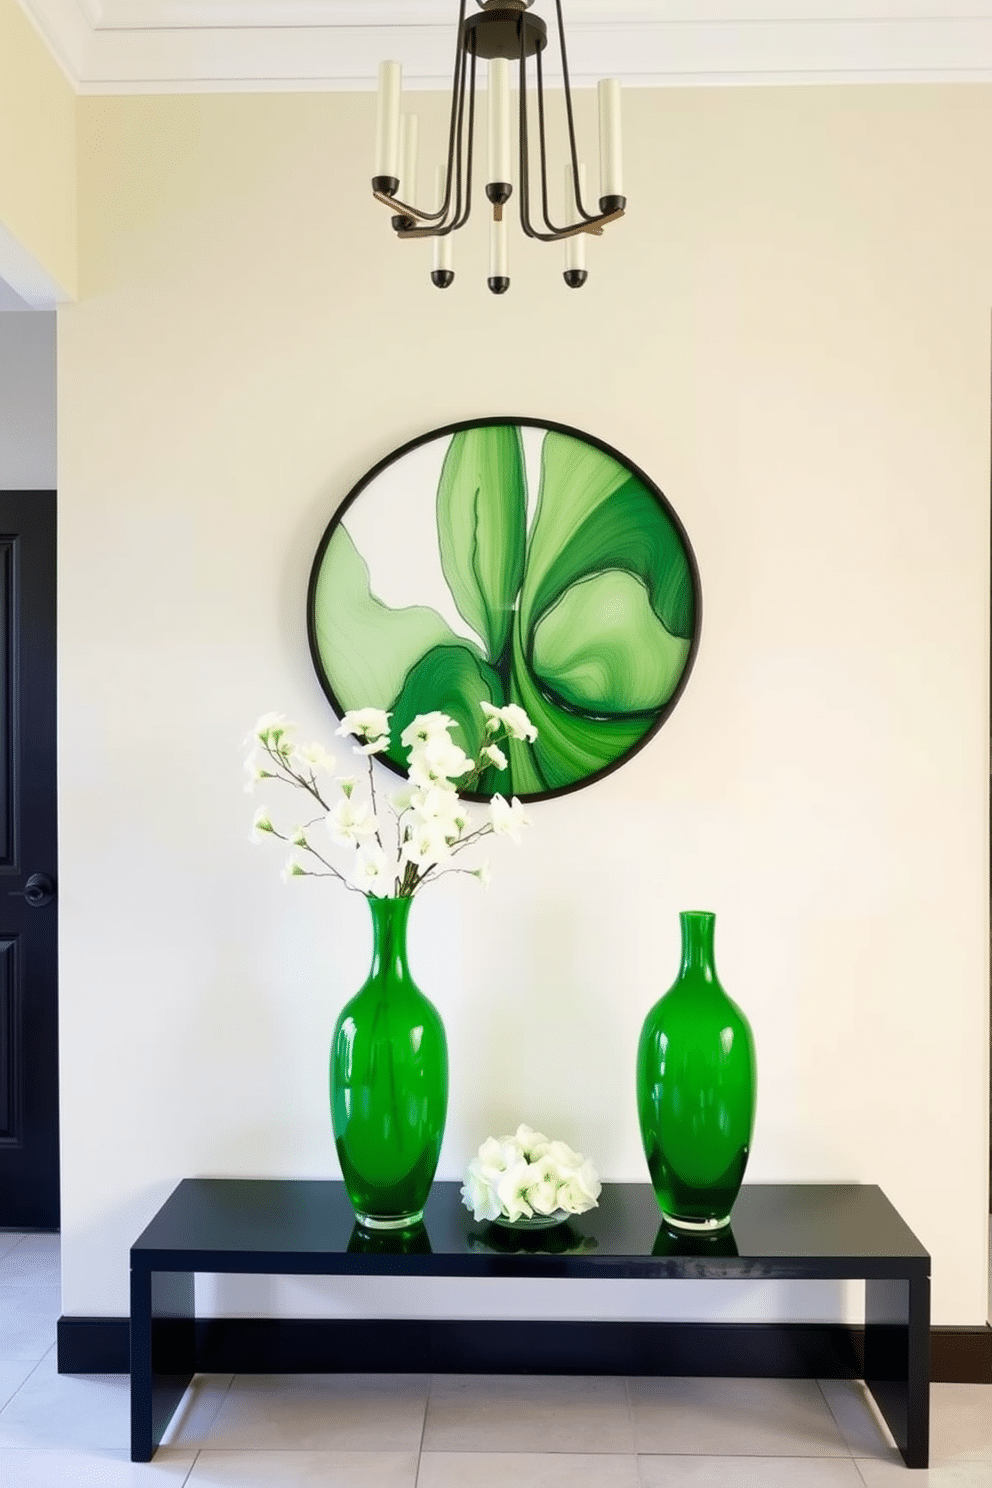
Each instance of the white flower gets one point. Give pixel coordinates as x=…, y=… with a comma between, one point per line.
x=512, y=718
x=293, y=869
x=254, y=772
x=507, y=818
x=563, y=1156
x=517, y=724
x=533, y=1143
x=542, y=1195
x=493, y=720
x=375, y=746
x=511, y=1190
x=347, y=784
x=425, y=727
x=437, y=762
x=501, y=1152
x=479, y=1190
x=580, y=1190
x=371, y=725
x=270, y=728
x=315, y=757
x=443, y=806
x=260, y=824
x=425, y=844
x=298, y=837
x=350, y=821
x=482, y=874
x=494, y=755
x=402, y=799
x=371, y=871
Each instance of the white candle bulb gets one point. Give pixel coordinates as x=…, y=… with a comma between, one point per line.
x=499, y=120
x=443, y=248
x=408, y=160
x=610, y=139
x=575, y=248
x=499, y=250
x=387, y=121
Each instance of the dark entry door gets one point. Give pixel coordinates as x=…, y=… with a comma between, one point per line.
x=29, y=1130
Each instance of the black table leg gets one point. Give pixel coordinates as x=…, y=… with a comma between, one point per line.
x=163, y=1353
x=897, y=1359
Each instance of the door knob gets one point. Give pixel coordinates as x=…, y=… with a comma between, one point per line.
x=39, y=890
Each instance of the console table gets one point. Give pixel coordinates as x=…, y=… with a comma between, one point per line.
x=790, y=1232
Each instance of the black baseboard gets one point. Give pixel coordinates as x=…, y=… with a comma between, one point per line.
x=455, y=1346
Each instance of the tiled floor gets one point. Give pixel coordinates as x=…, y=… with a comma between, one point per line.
x=413, y=1431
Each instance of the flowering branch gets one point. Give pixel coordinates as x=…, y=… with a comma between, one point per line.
x=432, y=821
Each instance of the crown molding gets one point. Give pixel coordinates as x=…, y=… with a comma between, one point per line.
x=128, y=15
x=161, y=46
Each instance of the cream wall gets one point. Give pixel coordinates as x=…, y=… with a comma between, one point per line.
x=37, y=151
x=791, y=334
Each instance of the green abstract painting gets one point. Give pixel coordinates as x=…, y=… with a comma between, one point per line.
x=509, y=560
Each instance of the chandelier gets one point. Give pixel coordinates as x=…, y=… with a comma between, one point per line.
x=503, y=33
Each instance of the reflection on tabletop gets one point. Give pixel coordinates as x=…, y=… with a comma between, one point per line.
x=414, y=1240
x=562, y=1239
x=672, y=1242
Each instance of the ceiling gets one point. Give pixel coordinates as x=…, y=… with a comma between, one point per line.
x=153, y=46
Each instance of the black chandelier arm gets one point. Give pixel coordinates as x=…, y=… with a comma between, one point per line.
x=457, y=105
x=589, y=216
x=462, y=209
x=407, y=209
x=456, y=136
x=524, y=151
x=544, y=151
x=554, y=235
x=462, y=217
x=594, y=227
x=542, y=147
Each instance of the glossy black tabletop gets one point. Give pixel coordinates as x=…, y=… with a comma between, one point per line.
x=295, y=1227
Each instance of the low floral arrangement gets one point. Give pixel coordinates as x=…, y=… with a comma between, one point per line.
x=431, y=824
x=528, y=1174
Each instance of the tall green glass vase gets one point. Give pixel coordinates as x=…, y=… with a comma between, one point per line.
x=389, y=1083
x=696, y=1089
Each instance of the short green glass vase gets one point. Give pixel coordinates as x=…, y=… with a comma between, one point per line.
x=696, y=1089
x=389, y=1083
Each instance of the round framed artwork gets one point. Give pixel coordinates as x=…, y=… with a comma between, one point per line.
x=509, y=560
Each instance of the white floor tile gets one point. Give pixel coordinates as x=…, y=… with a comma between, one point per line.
x=961, y=1424
x=858, y=1418
x=527, y=1470
x=36, y=1261
x=528, y=1413
x=12, y=1377
x=304, y=1470
x=734, y=1418
x=197, y=1411
x=333, y=1412
x=890, y=1474
x=92, y=1411
x=748, y=1472
x=89, y=1469
x=28, y=1315
x=67, y=1410
x=43, y=1243
x=10, y=1238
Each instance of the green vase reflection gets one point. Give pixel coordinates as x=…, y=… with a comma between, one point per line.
x=389, y=1083
x=696, y=1089
x=410, y=1240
